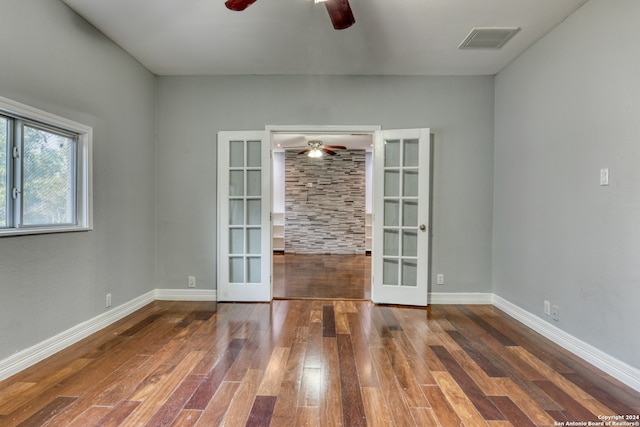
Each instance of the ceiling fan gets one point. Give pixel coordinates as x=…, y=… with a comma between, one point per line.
x=339, y=11
x=316, y=148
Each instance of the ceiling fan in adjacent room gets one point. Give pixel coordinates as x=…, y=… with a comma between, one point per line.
x=316, y=148
x=339, y=11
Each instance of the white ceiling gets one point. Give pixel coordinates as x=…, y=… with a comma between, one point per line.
x=390, y=37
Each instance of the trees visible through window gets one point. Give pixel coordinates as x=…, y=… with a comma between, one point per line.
x=48, y=184
x=45, y=173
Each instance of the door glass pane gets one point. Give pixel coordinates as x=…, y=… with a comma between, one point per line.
x=410, y=214
x=392, y=153
x=48, y=194
x=253, y=269
x=253, y=183
x=236, y=270
x=253, y=154
x=390, y=272
x=410, y=152
x=236, y=183
x=236, y=154
x=391, y=183
x=236, y=212
x=409, y=243
x=391, y=243
x=4, y=135
x=253, y=211
x=236, y=241
x=254, y=237
x=409, y=273
x=391, y=213
x=410, y=184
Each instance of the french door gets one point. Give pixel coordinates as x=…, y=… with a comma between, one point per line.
x=244, y=227
x=401, y=217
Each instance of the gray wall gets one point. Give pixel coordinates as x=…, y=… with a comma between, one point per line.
x=52, y=60
x=191, y=110
x=566, y=108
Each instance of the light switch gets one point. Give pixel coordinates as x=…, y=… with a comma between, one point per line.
x=604, y=176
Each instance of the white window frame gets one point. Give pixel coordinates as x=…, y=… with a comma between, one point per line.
x=84, y=173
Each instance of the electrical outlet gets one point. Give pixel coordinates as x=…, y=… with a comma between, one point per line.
x=555, y=313
x=192, y=281
x=440, y=279
x=107, y=300
x=547, y=308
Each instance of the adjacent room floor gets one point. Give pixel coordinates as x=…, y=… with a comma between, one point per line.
x=313, y=363
x=322, y=276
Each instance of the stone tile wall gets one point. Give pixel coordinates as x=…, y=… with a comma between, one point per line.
x=327, y=217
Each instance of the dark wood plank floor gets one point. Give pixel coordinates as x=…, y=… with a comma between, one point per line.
x=312, y=363
x=322, y=276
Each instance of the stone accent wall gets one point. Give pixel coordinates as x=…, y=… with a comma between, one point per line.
x=327, y=217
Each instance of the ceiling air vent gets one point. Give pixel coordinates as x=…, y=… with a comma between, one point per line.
x=488, y=38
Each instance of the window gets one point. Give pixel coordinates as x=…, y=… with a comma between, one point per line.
x=45, y=172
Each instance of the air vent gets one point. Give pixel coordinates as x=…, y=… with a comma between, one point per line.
x=488, y=38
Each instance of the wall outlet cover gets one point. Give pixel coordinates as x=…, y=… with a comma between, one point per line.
x=547, y=308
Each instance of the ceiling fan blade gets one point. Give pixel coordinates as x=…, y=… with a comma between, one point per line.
x=340, y=13
x=303, y=151
x=336, y=147
x=238, y=5
x=329, y=152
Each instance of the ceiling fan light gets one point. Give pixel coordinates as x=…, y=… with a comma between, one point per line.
x=319, y=1
x=314, y=152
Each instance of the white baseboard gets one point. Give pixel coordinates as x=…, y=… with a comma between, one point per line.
x=186, y=294
x=460, y=298
x=601, y=360
x=32, y=355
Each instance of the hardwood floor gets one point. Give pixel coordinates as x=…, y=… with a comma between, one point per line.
x=322, y=276
x=308, y=363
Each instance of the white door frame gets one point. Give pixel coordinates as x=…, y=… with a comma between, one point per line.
x=317, y=129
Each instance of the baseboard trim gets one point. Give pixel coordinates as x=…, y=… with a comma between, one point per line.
x=185, y=294
x=460, y=298
x=601, y=360
x=32, y=355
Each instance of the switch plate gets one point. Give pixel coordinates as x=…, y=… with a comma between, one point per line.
x=604, y=176
x=555, y=313
x=440, y=279
x=547, y=308
x=107, y=300
x=192, y=281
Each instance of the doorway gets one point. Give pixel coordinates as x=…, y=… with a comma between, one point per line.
x=401, y=206
x=322, y=208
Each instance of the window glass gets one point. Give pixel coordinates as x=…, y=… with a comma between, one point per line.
x=48, y=177
x=45, y=172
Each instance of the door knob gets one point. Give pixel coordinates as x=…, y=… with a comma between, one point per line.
x=423, y=227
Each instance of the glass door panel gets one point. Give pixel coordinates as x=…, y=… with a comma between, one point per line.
x=401, y=171
x=244, y=226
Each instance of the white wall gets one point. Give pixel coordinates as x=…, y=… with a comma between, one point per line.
x=191, y=110
x=566, y=108
x=52, y=60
